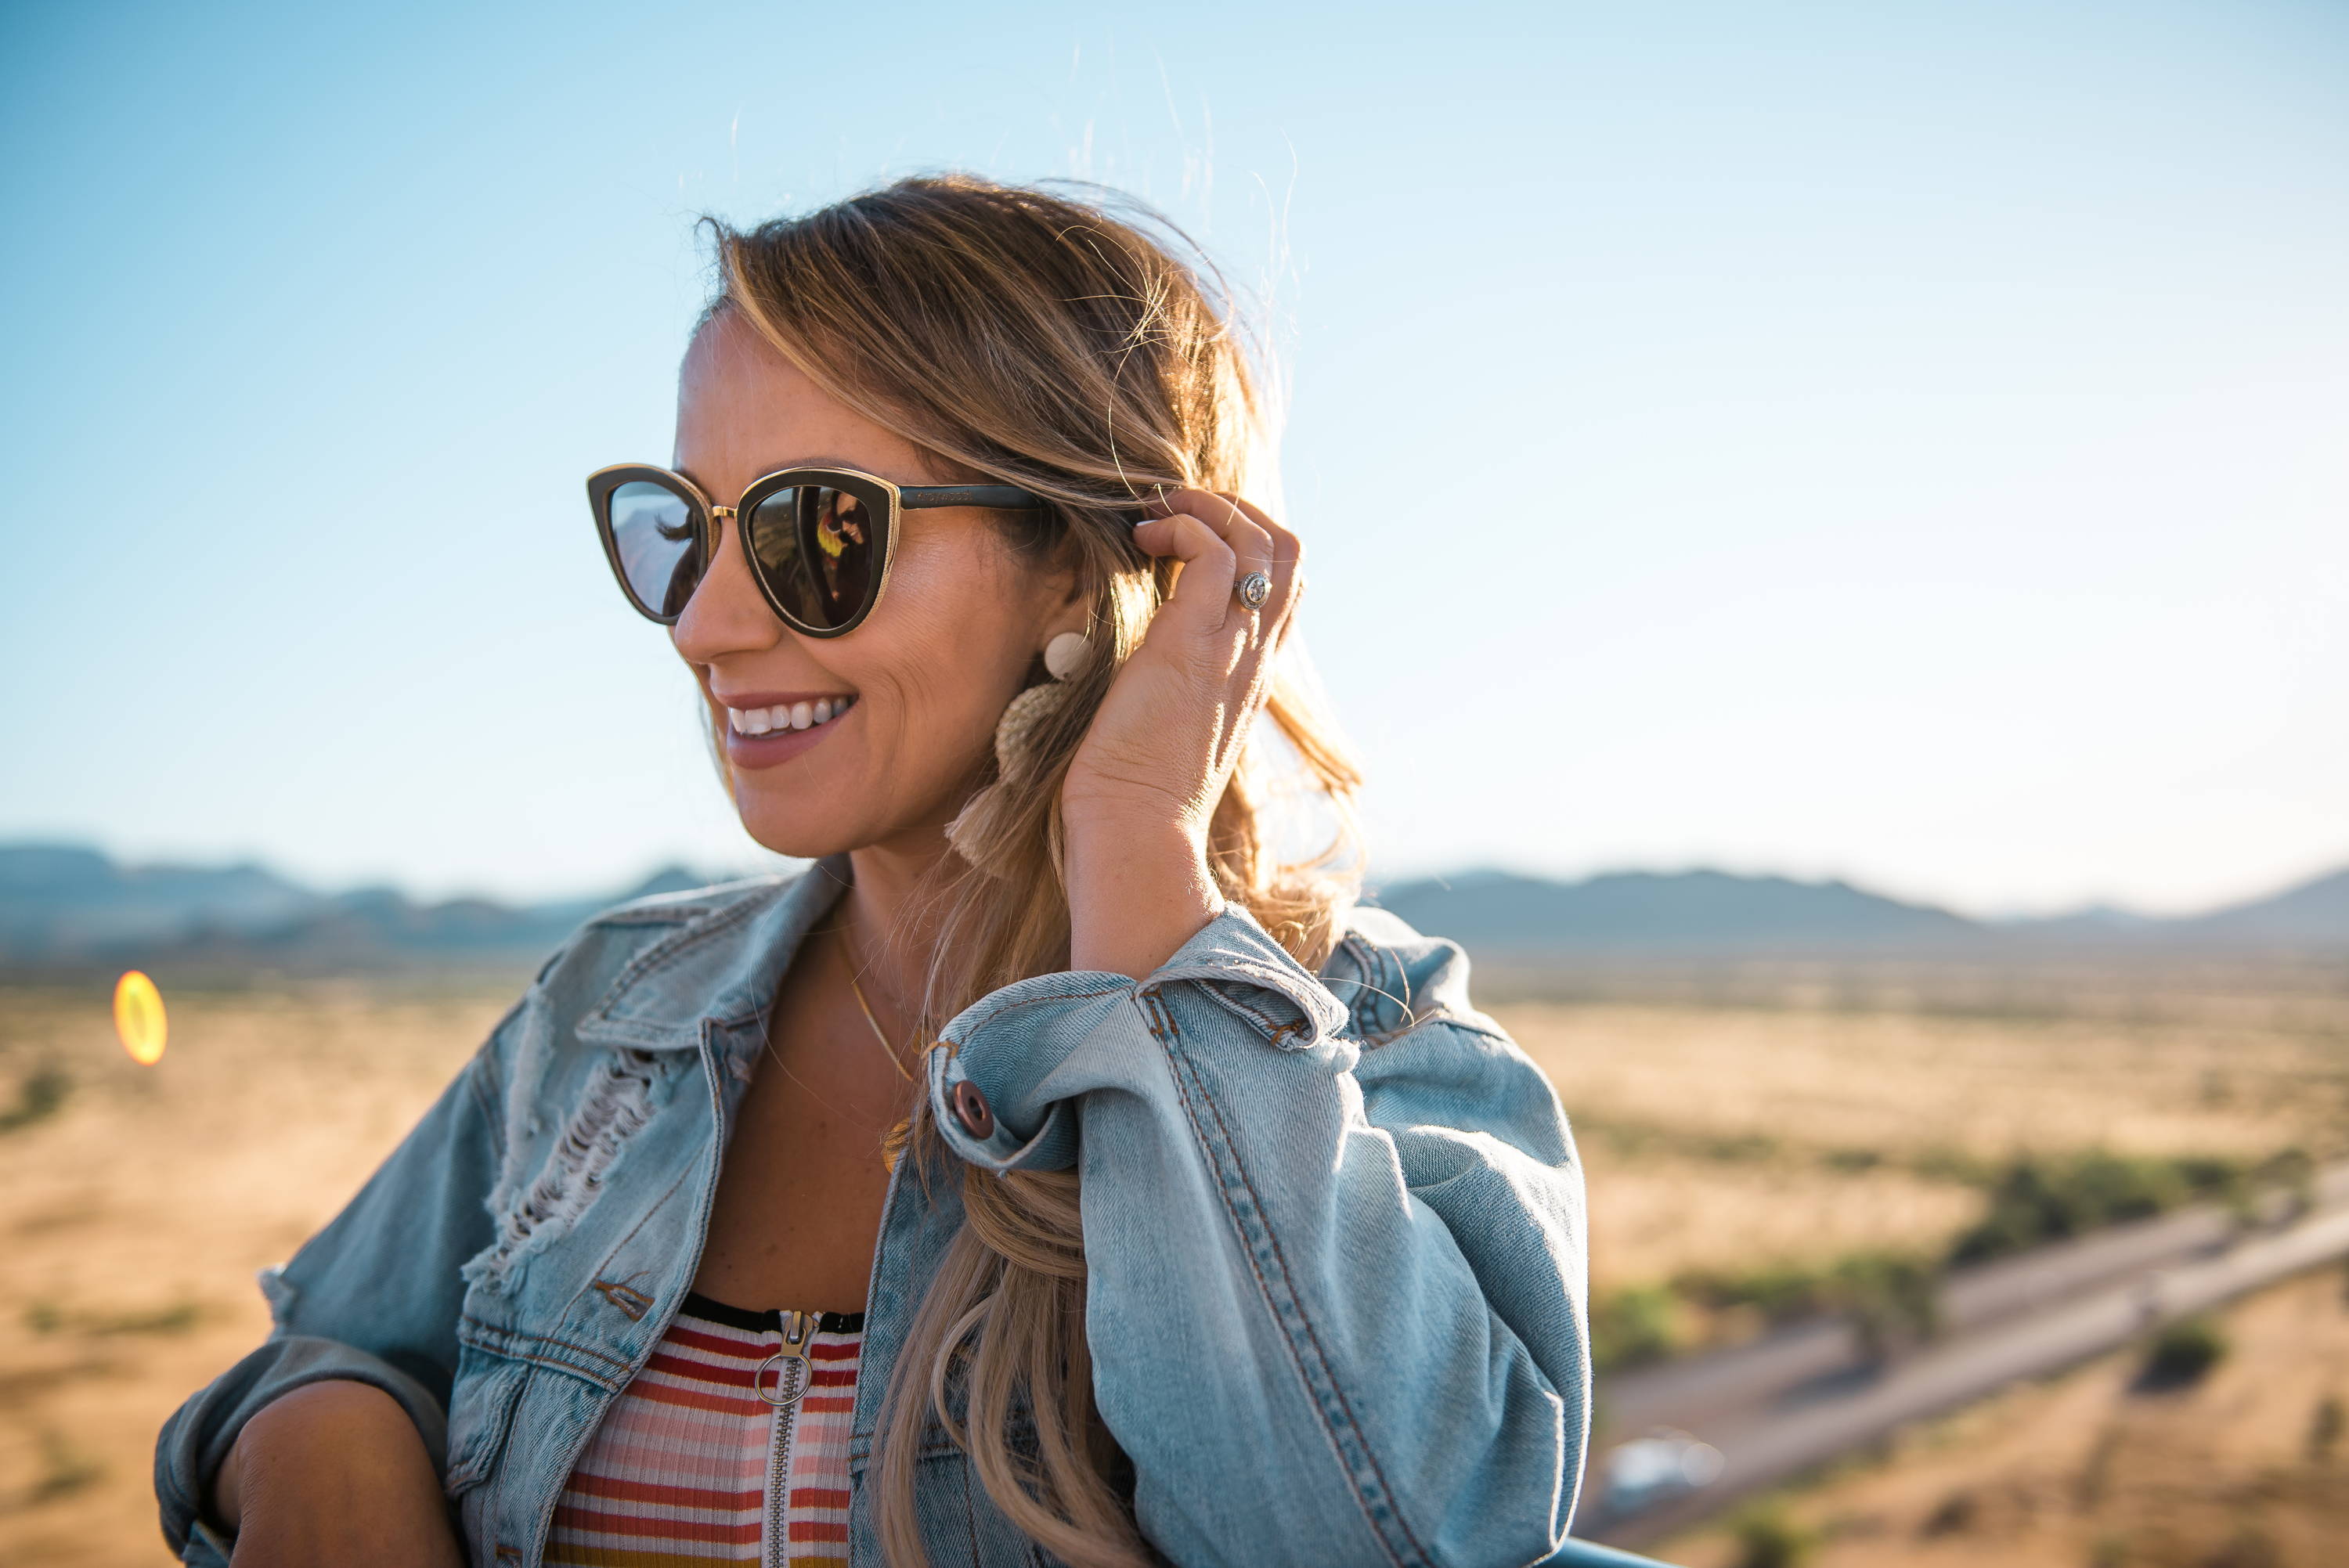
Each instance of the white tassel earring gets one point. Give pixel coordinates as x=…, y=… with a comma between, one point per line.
x=1065, y=658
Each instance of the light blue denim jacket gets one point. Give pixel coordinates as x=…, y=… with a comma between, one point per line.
x=1334, y=1226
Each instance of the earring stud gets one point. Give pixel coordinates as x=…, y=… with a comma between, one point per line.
x=1066, y=655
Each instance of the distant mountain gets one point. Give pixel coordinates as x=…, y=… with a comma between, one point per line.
x=69, y=906
x=2310, y=913
x=66, y=905
x=56, y=898
x=1504, y=913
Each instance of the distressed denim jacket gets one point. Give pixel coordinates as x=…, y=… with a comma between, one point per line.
x=1333, y=1223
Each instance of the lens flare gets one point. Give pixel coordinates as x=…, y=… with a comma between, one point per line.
x=139, y=1018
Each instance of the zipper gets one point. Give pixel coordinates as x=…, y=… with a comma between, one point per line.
x=793, y=1373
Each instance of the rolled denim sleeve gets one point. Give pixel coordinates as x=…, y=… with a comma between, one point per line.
x=373, y=1298
x=1336, y=1286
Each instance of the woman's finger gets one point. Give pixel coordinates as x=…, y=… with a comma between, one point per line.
x=1209, y=568
x=1251, y=551
x=1282, y=565
x=1254, y=548
x=1287, y=582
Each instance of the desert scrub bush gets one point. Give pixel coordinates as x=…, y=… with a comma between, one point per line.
x=47, y=1317
x=38, y=1098
x=1891, y=1296
x=2036, y=1200
x=2182, y=1353
x=2291, y=1172
x=2325, y=1427
x=65, y=1468
x=1778, y=1293
x=1768, y=1536
x=1632, y=1327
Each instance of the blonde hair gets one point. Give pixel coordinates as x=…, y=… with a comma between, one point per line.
x=1040, y=339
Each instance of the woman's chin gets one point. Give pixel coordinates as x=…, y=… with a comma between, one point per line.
x=793, y=817
x=797, y=835
x=803, y=826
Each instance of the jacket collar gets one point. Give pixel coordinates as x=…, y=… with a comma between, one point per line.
x=720, y=965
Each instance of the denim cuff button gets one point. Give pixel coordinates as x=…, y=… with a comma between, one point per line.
x=970, y=1109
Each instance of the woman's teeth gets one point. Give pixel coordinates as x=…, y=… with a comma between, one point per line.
x=787, y=715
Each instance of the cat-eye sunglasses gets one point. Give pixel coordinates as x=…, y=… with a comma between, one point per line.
x=819, y=541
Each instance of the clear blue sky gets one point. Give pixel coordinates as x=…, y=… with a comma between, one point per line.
x=1910, y=441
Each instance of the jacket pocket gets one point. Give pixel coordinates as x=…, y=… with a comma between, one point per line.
x=481, y=1415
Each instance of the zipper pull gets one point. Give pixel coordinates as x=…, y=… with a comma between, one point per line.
x=790, y=1364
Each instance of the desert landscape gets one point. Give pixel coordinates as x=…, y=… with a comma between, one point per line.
x=1745, y=1141
x=142, y=1199
x=2242, y=1469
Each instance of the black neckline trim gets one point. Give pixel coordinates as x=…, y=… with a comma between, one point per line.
x=732, y=1317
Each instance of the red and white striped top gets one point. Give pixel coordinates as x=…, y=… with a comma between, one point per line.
x=705, y=1458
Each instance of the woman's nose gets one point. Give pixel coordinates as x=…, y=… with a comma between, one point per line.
x=727, y=613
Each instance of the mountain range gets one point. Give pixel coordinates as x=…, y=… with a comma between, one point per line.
x=68, y=905
x=1508, y=914
x=72, y=906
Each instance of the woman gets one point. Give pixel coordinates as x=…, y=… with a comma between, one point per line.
x=1055, y=1171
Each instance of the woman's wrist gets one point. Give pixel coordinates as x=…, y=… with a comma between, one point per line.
x=1137, y=891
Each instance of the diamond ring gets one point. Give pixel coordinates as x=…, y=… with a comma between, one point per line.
x=1253, y=590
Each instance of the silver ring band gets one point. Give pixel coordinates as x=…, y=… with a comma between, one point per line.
x=1253, y=590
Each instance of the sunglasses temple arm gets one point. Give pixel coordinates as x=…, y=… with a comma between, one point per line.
x=998, y=498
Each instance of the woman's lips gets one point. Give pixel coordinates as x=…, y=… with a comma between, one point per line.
x=786, y=738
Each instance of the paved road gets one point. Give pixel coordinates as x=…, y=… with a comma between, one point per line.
x=1781, y=1407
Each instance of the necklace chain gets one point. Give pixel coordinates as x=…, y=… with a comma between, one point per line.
x=880, y=1037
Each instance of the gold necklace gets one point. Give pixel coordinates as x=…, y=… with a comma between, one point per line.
x=866, y=1008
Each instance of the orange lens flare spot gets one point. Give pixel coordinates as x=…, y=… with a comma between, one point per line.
x=139, y=1018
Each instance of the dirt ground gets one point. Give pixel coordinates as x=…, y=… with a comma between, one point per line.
x=139, y=1212
x=1719, y=1136
x=1728, y=1136
x=2082, y=1472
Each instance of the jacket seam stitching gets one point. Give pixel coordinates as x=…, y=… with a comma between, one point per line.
x=555, y=1364
x=1459, y=1021
x=491, y=1105
x=1372, y=982
x=1272, y=1028
x=1321, y=1355
x=1006, y=1010
x=479, y=1467
x=662, y=954
x=634, y=1230
x=491, y=1332
x=1305, y=1322
x=1277, y=1032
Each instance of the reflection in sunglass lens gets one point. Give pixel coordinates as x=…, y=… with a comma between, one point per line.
x=660, y=555
x=816, y=548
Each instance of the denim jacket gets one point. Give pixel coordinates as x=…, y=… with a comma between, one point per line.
x=1333, y=1223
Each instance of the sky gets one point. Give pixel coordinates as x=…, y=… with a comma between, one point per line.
x=1907, y=442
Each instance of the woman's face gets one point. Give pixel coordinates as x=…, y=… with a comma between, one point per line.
x=914, y=693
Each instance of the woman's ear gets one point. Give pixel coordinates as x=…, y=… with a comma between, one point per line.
x=1067, y=607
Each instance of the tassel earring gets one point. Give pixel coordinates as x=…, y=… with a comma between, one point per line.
x=1065, y=658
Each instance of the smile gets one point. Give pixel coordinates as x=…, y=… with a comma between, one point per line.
x=788, y=716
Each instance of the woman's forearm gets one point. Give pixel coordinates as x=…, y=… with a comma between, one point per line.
x=333, y=1471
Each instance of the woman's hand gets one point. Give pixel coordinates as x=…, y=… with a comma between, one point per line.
x=334, y=1473
x=1141, y=788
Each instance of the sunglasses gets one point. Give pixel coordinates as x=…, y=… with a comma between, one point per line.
x=819, y=541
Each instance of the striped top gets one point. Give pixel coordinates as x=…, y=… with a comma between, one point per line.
x=705, y=1458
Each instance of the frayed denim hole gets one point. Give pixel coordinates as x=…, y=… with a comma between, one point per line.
x=613, y=1107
